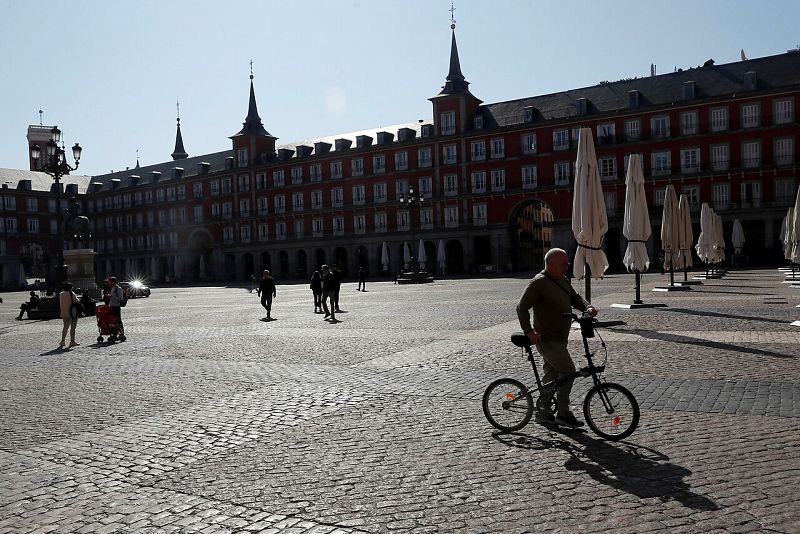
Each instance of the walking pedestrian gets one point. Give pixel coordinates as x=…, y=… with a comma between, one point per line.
x=115, y=298
x=362, y=279
x=68, y=304
x=266, y=290
x=316, y=289
x=328, y=292
x=253, y=284
x=337, y=280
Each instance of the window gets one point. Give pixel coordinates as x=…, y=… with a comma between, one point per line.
x=380, y=222
x=448, y=122
x=561, y=139
x=262, y=205
x=241, y=156
x=358, y=195
x=498, y=180
x=214, y=190
x=610, y=200
x=659, y=126
x=227, y=212
x=426, y=186
x=498, y=148
x=244, y=232
x=357, y=167
x=263, y=232
x=719, y=157
x=215, y=212
x=197, y=190
x=337, y=197
x=449, y=153
x=244, y=208
x=280, y=204
x=424, y=156
x=244, y=183
x=451, y=217
x=479, y=215
x=379, y=163
x=11, y=225
x=198, y=216
x=751, y=194
x=450, y=184
x=719, y=119
x=299, y=228
x=280, y=230
x=33, y=204
x=633, y=129
x=401, y=161
x=658, y=197
x=608, y=168
x=401, y=188
x=338, y=226
x=784, y=151
x=606, y=133
x=140, y=217
x=477, y=122
x=479, y=182
x=359, y=224
x=749, y=115
x=316, y=200
x=261, y=181
x=751, y=154
x=159, y=197
x=297, y=175
x=784, y=190
x=562, y=172
x=297, y=201
x=379, y=192
x=690, y=160
x=529, y=143
x=692, y=193
x=33, y=226
x=315, y=172
x=661, y=163
x=227, y=236
x=426, y=218
x=402, y=220
x=151, y=218
x=137, y=197
x=529, y=178
x=277, y=178
x=317, y=227
x=226, y=186
x=721, y=196
x=783, y=111
x=689, y=123
x=336, y=170
x=478, y=150
x=10, y=203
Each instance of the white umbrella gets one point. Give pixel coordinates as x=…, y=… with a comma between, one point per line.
x=421, y=257
x=737, y=237
x=705, y=244
x=670, y=234
x=795, y=258
x=440, y=255
x=589, y=218
x=636, y=222
x=786, y=234
x=406, y=254
x=685, y=236
x=385, y=256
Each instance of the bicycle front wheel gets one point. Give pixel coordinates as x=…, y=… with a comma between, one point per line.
x=507, y=404
x=611, y=411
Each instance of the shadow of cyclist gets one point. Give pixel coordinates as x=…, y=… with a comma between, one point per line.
x=626, y=466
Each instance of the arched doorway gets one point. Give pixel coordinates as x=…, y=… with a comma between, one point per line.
x=431, y=265
x=249, y=265
x=455, y=257
x=362, y=258
x=283, y=264
x=532, y=227
x=319, y=259
x=200, y=253
x=301, y=264
x=266, y=263
x=34, y=260
x=340, y=255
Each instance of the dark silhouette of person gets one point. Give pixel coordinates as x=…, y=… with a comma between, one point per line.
x=337, y=280
x=266, y=290
x=362, y=279
x=32, y=304
x=316, y=289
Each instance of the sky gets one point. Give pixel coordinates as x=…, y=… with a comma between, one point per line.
x=109, y=73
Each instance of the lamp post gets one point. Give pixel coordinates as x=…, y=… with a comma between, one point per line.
x=56, y=166
x=412, y=200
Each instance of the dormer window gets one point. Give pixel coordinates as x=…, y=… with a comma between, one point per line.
x=633, y=99
x=448, y=123
x=581, y=105
x=529, y=114
x=750, y=81
x=688, y=90
x=478, y=122
x=241, y=156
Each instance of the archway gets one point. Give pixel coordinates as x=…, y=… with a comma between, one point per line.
x=249, y=266
x=200, y=255
x=362, y=258
x=283, y=264
x=431, y=265
x=340, y=255
x=455, y=257
x=379, y=267
x=319, y=259
x=301, y=264
x=34, y=259
x=266, y=263
x=532, y=235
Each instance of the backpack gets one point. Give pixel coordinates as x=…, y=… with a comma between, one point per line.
x=124, y=300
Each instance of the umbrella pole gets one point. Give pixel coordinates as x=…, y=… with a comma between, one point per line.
x=638, y=299
x=671, y=274
x=588, y=282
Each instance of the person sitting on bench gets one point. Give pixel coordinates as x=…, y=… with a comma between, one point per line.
x=32, y=304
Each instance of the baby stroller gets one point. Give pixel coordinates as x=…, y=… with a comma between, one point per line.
x=108, y=325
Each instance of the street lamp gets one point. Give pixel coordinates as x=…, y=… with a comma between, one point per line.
x=56, y=166
x=412, y=200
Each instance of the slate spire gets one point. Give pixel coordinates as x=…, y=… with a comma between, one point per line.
x=455, y=82
x=179, y=152
x=252, y=124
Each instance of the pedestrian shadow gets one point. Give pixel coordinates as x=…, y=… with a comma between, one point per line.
x=723, y=315
x=625, y=466
x=57, y=350
x=687, y=340
x=267, y=319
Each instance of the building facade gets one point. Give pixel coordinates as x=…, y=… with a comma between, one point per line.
x=496, y=180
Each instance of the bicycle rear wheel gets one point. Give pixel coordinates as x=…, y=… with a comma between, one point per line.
x=507, y=404
x=611, y=411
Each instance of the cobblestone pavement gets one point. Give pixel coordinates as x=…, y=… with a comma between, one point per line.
x=210, y=419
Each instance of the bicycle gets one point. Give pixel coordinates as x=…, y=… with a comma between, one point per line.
x=611, y=411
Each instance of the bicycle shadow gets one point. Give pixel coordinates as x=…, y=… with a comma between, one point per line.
x=688, y=340
x=625, y=466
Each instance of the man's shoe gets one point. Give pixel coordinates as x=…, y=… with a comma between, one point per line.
x=61, y=345
x=544, y=418
x=568, y=420
x=73, y=344
x=327, y=315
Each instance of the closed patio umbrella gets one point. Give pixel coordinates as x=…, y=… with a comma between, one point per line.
x=705, y=244
x=685, y=234
x=406, y=254
x=670, y=232
x=795, y=258
x=21, y=279
x=719, y=240
x=421, y=257
x=589, y=218
x=737, y=236
x=786, y=234
x=636, y=223
x=385, y=257
x=440, y=255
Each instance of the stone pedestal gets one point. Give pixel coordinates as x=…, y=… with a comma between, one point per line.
x=81, y=270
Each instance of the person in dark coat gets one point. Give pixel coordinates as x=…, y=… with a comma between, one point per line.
x=362, y=279
x=328, y=292
x=32, y=304
x=337, y=277
x=316, y=289
x=266, y=290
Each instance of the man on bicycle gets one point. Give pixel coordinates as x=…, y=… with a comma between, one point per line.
x=551, y=296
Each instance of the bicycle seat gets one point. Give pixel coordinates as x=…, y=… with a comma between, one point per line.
x=521, y=340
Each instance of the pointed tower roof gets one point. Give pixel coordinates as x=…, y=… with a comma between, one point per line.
x=252, y=123
x=179, y=152
x=455, y=82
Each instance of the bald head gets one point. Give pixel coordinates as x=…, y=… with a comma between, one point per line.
x=556, y=262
